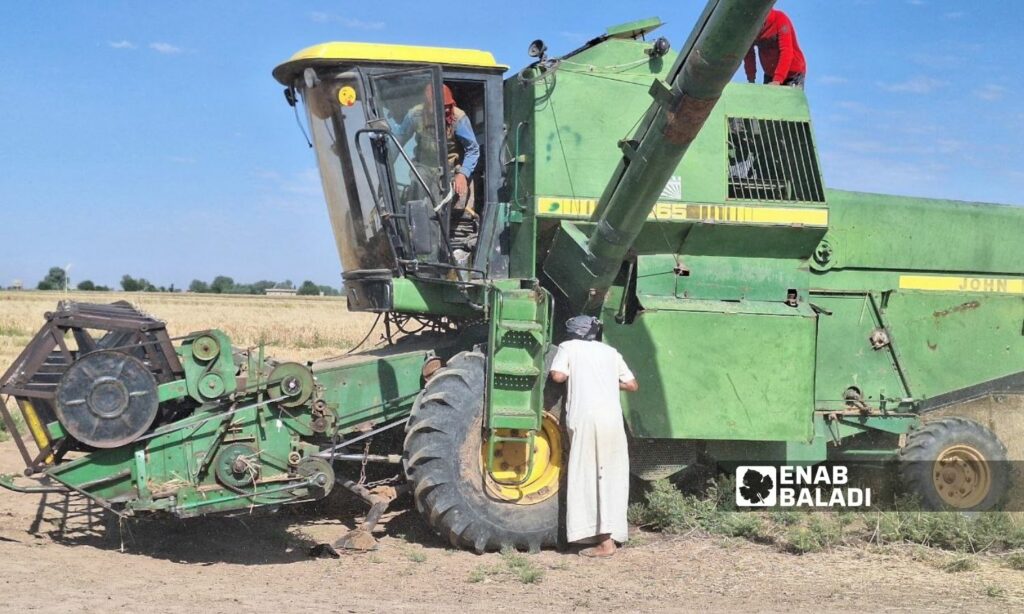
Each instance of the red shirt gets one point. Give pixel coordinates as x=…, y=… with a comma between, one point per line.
x=780, y=52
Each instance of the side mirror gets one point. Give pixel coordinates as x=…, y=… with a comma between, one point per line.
x=310, y=78
x=538, y=49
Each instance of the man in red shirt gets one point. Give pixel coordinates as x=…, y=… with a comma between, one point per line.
x=781, y=58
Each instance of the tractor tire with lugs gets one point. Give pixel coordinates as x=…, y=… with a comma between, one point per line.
x=443, y=444
x=956, y=464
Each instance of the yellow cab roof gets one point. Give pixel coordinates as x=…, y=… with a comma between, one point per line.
x=393, y=54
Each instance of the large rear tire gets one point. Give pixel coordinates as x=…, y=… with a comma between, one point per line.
x=443, y=446
x=955, y=464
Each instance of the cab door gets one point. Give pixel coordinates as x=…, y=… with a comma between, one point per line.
x=412, y=162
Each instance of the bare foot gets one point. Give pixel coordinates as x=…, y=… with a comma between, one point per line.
x=604, y=549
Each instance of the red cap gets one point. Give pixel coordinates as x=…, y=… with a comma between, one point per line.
x=449, y=99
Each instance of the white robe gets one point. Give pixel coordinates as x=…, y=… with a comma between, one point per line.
x=598, y=471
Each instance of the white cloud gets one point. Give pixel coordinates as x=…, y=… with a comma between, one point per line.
x=917, y=2
x=266, y=174
x=854, y=106
x=832, y=80
x=866, y=146
x=916, y=85
x=165, y=48
x=303, y=183
x=293, y=191
x=121, y=44
x=939, y=61
x=950, y=146
x=954, y=14
x=348, y=22
x=870, y=172
x=990, y=92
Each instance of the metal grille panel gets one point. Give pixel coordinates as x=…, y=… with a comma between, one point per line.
x=656, y=459
x=773, y=160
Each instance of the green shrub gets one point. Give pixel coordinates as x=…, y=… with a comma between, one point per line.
x=521, y=567
x=959, y=564
x=665, y=508
x=976, y=532
x=1015, y=561
x=738, y=524
x=995, y=592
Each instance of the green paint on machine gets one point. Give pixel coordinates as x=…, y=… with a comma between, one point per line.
x=767, y=316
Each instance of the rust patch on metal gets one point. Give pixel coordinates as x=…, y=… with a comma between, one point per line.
x=431, y=367
x=968, y=306
x=686, y=118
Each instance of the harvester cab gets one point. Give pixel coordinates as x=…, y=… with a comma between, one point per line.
x=387, y=155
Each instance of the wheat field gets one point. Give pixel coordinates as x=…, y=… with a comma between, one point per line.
x=293, y=328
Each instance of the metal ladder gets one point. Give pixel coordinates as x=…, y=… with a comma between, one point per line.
x=520, y=331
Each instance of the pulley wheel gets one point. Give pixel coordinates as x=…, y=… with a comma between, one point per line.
x=292, y=380
x=205, y=348
x=237, y=465
x=211, y=386
x=107, y=399
x=313, y=466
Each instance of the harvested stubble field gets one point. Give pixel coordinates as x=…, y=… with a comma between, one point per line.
x=260, y=562
x=295, y=328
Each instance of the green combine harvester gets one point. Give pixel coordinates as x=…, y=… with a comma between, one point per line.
x=767, y=317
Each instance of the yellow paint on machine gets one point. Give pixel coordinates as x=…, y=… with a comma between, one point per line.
x=35, y=426
x=682, y=212
x=371, y=52
x=937, y=283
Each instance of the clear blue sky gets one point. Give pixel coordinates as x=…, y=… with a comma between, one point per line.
x=149, y=138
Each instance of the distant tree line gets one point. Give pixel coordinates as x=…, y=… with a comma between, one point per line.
x=57, y=279
x=223, y=284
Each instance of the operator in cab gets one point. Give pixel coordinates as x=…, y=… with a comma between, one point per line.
x=462, y=157
x=781, y=58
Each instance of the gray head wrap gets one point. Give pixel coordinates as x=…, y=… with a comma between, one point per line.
x=583, y=327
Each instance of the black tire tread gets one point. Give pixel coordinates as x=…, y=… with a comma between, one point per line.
x=924, y=445
x=457, y=509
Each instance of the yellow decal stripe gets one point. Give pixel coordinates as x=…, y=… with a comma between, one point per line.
x=961, y=284
x=675, y=212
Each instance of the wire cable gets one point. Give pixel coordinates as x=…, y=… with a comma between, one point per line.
x=368, y=333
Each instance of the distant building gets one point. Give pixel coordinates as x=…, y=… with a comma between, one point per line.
x=16, y=285
x=281, y=292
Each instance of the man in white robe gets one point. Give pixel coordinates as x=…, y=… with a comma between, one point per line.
x=598, y=469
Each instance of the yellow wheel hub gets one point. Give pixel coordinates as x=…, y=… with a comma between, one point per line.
x=512, y=462
x=962, y=476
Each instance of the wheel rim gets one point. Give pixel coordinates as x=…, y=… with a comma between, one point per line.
x=961, y=476
x=542, y=482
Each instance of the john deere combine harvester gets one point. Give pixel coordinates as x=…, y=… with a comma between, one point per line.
x=767, y=317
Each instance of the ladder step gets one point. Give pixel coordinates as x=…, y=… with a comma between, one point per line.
x=521, y=326
x=523, y=421
x=508, y=368
x=512, y=411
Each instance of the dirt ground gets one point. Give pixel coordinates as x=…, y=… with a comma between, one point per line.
x=58, y=554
